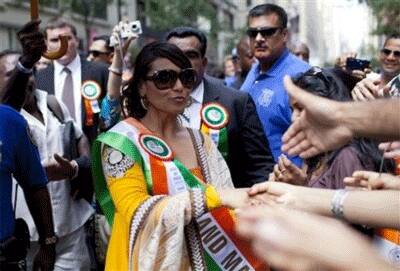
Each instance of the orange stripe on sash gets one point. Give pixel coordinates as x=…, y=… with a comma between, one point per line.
x=225, y=220
x=159, y=177
x=390, y=235
x=89, y=112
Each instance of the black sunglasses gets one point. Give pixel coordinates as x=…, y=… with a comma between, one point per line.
x=97, y=53
x=165, y=79
x=264, y=31
x=387, y=52
x=314, y=71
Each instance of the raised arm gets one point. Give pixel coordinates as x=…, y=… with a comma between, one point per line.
x=33, y=45
x=325, y=125
x=372, y=208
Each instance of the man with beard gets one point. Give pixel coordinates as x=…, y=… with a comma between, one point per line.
x=268, y=33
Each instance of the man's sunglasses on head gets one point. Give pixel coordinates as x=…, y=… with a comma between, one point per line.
x=165, y=79
x=387, y=52
x=264, y=31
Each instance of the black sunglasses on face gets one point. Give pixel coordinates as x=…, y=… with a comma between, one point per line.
x=387, y=52
x=264, y=31
x=97, y=53
x=165, y=79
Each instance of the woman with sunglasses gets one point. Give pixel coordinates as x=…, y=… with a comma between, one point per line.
x=161, y=186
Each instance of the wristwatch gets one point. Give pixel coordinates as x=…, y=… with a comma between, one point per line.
x=49, y=240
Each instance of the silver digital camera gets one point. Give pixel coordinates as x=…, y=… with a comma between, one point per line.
x=127, y=30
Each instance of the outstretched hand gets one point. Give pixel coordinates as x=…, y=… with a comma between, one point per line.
x=59, y=169
x=279, y=234
x=317, y=129
x=287, y=172
x=33, y=43
x=390, y=150
x=373, y=180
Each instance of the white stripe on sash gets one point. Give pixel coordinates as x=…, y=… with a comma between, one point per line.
x=132, y=133
x=176, y=182
x=389, y=250
x=219, y=246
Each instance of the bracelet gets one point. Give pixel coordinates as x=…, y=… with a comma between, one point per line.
x=115, y=71
x=49, y=240
x=22, y=69
x=198, y=202
x=337, y=203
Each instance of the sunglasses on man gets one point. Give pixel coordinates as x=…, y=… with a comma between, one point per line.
x=97, y=53
x=264, y=31
x=387, y=52
x=165, y=79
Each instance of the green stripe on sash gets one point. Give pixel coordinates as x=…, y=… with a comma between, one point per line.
x=188, y=176
x=211, y=264
x=223, y=142
x=123, y=144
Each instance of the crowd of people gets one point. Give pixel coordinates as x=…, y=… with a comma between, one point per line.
x=160, y=166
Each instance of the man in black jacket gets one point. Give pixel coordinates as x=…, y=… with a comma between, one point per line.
x=227, y=115
x=75, y=81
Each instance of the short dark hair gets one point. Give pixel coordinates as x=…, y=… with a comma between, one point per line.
x=106, y=39
x=267, y=9
x=59, y=23
x=324, y=83
x=184, y=32
x=145, y=58
x=391, y=36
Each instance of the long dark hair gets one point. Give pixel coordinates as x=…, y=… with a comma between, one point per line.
x=324, y=83
x=146, y=57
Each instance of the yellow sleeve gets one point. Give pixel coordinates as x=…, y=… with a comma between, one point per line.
x=126, y=183
x=213, y=200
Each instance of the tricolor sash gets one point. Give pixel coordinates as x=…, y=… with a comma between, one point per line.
x=388, y=240
x=214, y=119
x=165, y=175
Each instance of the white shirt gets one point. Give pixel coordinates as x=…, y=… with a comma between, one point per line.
x=191, y=116
x=68, y=214
x=59, y=79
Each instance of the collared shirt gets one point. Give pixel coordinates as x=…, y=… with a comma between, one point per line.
x=272, y=101
x=18, y=157
x=68, y=214
x=59, y=79
x=191, y=116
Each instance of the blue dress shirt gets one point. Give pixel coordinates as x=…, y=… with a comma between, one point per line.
x=272, y=100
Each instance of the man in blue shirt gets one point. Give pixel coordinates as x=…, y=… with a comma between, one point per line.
x=268, y=37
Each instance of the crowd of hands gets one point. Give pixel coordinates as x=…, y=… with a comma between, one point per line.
x=280, y=225
x=278, y=222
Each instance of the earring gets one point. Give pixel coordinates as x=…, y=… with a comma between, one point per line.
x=144, y=102
x=190, y=101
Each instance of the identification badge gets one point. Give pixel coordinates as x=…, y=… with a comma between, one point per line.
x=156, y=147
x=91, y=90
x=214, y=116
